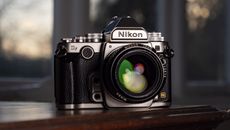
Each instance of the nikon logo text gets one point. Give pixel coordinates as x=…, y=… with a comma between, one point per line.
x=129, y=35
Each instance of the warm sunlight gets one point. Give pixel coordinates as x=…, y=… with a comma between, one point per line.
x=25, y=28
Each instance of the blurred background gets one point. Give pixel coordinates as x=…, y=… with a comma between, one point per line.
x=198, y=30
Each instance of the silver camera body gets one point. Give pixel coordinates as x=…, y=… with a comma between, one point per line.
x=86, y=68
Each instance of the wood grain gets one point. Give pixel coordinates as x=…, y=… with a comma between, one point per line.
x=44, y=116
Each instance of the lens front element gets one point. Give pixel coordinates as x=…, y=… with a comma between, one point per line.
x=131, y=76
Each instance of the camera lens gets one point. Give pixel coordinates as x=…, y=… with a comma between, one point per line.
x=133, y=74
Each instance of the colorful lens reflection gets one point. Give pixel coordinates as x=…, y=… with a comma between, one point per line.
x=131, y=76
x=139, y=68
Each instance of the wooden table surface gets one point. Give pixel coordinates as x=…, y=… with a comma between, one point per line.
x=44, y=116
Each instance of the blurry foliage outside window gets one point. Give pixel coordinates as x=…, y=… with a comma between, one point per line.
x=205, y=40
x=25, y=38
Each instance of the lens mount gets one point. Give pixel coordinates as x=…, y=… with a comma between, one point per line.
x=133, y=73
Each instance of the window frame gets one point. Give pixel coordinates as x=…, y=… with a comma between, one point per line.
x=176, y=36
x=26, y=88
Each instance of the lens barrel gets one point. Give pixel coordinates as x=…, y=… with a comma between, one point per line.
x=133, y=73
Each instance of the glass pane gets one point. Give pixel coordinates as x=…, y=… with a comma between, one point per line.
x=144, y=12
x=25, y=38
x=204, y=47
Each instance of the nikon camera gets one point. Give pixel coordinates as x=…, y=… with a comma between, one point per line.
x=123, y=67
